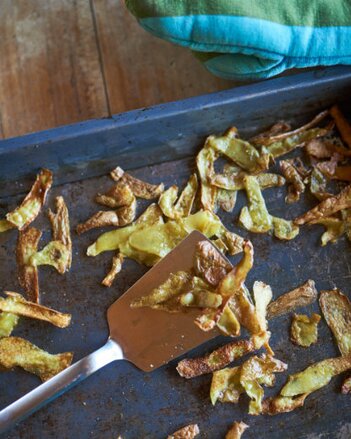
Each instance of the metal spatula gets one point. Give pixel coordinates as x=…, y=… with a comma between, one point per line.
x=145, y=337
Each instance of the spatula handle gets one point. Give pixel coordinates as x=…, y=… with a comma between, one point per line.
x=59, y=384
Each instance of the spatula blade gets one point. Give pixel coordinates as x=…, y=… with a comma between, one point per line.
x=151, y=338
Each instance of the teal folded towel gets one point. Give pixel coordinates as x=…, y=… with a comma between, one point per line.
x=252, y=39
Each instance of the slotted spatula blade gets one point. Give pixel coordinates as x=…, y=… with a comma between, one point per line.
x=147, y=338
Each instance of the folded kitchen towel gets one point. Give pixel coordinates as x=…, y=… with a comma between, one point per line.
x=252, y=39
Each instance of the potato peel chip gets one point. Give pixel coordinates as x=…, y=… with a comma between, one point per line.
x=27, y=245
x=315, y=376
x=336, y=309
x=216, y=360
x=235, y=181
x=304, y=329
x=175, y=284
x=226, y=199
x=278, y=128
x=114, y=239
x=18, y=305
x=167, y=201
x=102, y=218
x=209, y=263
x=8, y=322
x=284, y=229
x=297, y=186
x=255, y=217
x=318, y=184
x=301, y=130
x=117, y=262
x=327, y=207
x=335, y=228
x=56, y=254
x=236, y=430
x=205, y=167
x=30, y=207
x=282, y=404
x=346, y=387
x=301, y=296
x=228, y=384
x=239, y=151
x=140, y=188
x=60, y=226
x=17, y=352
x=118, y=196
x=256, y=371
x=186, y=199
x=187, y=432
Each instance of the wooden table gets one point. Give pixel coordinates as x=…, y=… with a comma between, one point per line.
x=70, y=60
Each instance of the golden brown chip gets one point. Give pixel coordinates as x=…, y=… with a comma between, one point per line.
x=241, y=152
x=118, y=238
x=234, y=181
x=335, y=228
x=318, y=184
x=226, y=199
x=255, y=217
x=216, y=360
x=60, y=226
x=236, y=430
x=342, y=124
x=282, y=404
x=17, y=352
x=8, y=322
x=5, y=225
x=346, y=387
x=325, y=148
x=304, y=329
x=186, y=199
x=18, y=305
x=27, y=245
x=271, y=139
x=103, y=218
x=336, y=309
x=118, y=196
x=188, y=432
x=297, y=186
x=328, y=167
x=117, y=262
x=56, y=254
x=30, y=207
x=167, y=201
x=315, y=376
x=205, y=167
x=277, y=128
x=209, y=263
x=140, y=188
x=300, y=296
x=228, y=384
x=126, y=214
x=327, y=207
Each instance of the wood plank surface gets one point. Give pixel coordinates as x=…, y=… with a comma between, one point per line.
x=50, y=71
x=64, y=61
x=142, y=70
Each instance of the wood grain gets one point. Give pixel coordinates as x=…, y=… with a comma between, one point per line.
x=50, y=70
x=142, y=70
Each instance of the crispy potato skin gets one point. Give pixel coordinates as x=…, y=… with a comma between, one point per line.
x=30, y=207
x=17, y=352
x=187, y=432
x=16, y=304
x=236, y=430
x=300, y=296
x=27, y=245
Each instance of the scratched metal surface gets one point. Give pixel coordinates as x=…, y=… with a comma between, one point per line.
x=120, y=399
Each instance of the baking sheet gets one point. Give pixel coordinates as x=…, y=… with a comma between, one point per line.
x=120, y=399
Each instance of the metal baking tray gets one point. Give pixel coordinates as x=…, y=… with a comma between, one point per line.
x=159, y=144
